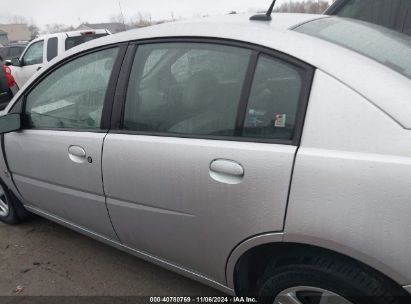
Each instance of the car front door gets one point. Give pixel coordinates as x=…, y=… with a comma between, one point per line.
x=204, y=153
x=55, y=160
x=31, y=62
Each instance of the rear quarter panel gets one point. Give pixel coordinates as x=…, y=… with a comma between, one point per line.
x=352, y=181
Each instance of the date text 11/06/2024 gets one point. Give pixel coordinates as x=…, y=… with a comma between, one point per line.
x=202, y=300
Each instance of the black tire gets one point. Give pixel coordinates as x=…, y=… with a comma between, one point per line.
x=16, y=211
x=340, y=276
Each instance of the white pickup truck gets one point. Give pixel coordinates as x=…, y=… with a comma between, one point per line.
x=46, y=48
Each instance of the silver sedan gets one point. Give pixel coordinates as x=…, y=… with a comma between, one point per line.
x=268, y=157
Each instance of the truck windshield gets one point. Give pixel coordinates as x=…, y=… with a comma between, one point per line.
x=77, y=40
x=386, y=46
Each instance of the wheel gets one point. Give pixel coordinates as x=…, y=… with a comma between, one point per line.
x=11, y=210
x=327, y=280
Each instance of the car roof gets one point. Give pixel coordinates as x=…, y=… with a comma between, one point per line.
x=385, y=88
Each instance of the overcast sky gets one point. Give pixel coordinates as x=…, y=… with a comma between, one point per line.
x=74, y=12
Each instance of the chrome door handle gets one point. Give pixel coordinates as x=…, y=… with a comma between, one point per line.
x=226, y=171
x=77, y=154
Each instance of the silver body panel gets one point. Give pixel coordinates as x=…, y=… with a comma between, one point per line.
x=163, y=200
x=178, y=269
x=350, y=192
x=49, y=180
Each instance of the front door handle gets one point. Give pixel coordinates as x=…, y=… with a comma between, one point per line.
x=226, y=171
x=77, y=154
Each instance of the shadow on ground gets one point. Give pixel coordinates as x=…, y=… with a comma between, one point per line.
x=46, y=259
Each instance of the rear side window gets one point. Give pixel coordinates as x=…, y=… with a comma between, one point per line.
x=407, y=25
x=52, y=48
x=15, y=52
x=3, y=53
x=383, y=45
x=72, y=97
x=385, y=13
x=34, y=54
x=197, y=89
x=75, y=41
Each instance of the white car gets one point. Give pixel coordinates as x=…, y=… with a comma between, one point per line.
x=45, y=49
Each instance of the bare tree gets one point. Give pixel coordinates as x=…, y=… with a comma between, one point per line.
x=309, y=6
x=141, y=20
x=16, y=19
x=58, y=28
x=117, y=18
x=34, y=31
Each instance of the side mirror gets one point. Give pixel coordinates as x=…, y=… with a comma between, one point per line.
x=16, y=62
x=10, y=123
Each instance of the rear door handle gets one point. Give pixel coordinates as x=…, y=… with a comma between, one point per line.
x=226, y=171
x=77, y=154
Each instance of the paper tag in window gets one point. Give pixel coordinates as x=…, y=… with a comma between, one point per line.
x=280, y=120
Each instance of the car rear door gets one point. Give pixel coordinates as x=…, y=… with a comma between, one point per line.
x=55, y=160
x=203, y=156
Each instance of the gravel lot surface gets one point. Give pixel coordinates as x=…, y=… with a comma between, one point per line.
x=40, y=258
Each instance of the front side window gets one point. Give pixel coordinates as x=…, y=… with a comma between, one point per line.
x=187, y=88
x=34, y=54
x=72, y=97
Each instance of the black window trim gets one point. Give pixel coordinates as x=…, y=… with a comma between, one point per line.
x=20, y=105
x=306, y=71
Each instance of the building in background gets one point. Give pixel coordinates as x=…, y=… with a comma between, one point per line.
x=16, y=32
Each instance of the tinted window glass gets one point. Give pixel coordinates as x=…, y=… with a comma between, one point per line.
x=407, y=25
x=52, y=48
x=186, y=89
x=73, y=96
x=34, y=54
x=385, y=13
x=3, y=53
x=388, y=47
x=75, y=41
x=274, y=99
x=16, y=51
